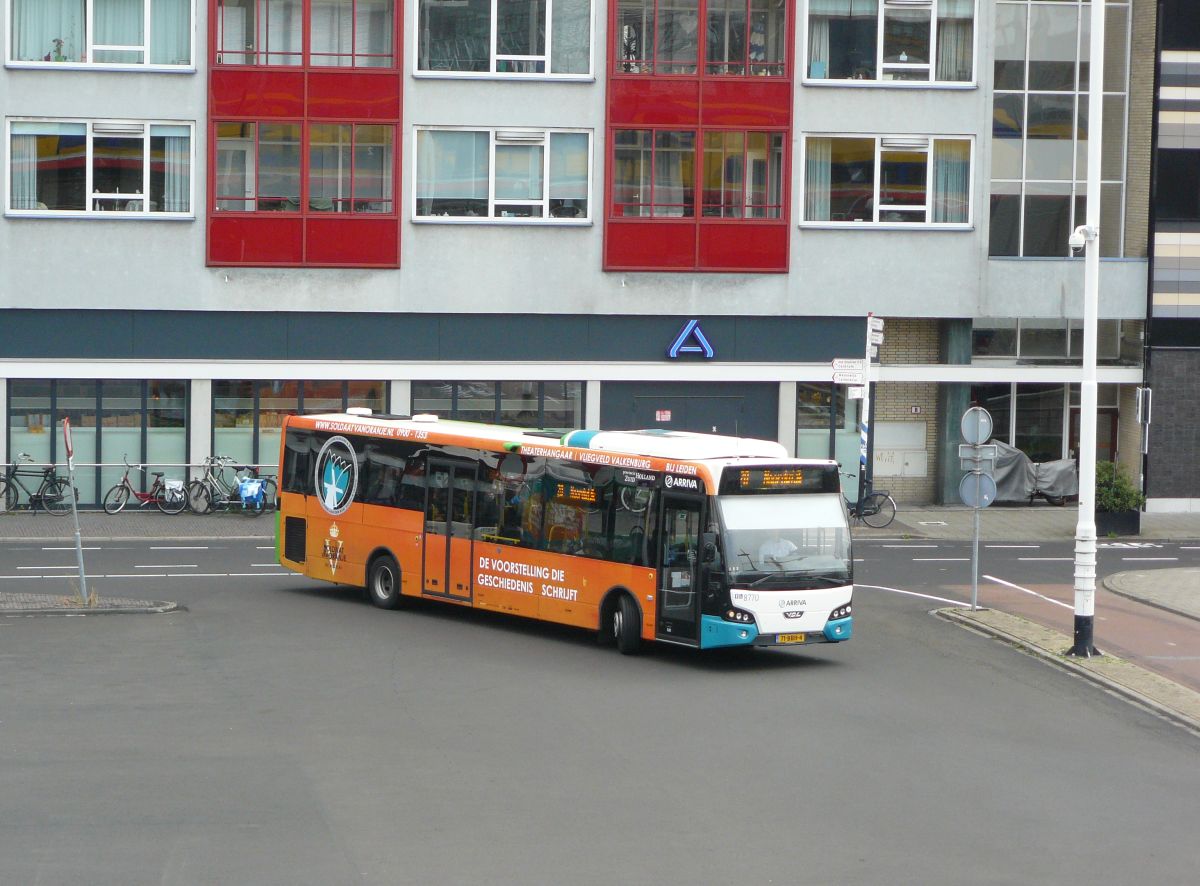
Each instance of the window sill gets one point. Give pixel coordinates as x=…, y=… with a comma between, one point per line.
x=489, y=75
x=107, y=216
x=951, y=85
x=504, y=222
x=186, y=68
x=872, y=226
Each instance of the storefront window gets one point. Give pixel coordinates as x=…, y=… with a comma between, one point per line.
x=248, y=415
x=813, y=405
x=111, y=421
x=1040, y=419
x=531, y=404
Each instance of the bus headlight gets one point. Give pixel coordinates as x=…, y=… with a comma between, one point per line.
x=840, y=613
x=738, y=615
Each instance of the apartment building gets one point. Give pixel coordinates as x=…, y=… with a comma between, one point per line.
x=570, y=213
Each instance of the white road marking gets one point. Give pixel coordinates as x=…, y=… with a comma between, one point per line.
x=1050, y=559
x=1035, y=547
x=1189, y=547
x=69, y=549
x=908, y=546
x=264, y=564
x=179, y=548
x=264, y=547
x=915, y=594
x=941, y=559
x=76, y=567
x=197, y=575
x=1027, y=591
x=1149, y=558
x=168, y=566
x=237, y=574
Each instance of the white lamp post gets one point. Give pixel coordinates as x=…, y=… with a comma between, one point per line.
x=1088, y=237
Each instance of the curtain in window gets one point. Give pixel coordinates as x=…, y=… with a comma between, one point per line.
x=817, y=179
x=954, y=39
x=570, y=37
x=673, y=174
x=284, y=31
x=373, y=29
x=118, y=23
x=178, y=168
x=951, y=181
x=333, y=33
x=818, y=47
x=38, y=25
x=24, y=172
x=170, y=32
x=452, y=172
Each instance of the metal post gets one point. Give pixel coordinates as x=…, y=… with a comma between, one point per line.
x=975, y=556
x=864, y=424
x=1085, y=530
x=83, y=588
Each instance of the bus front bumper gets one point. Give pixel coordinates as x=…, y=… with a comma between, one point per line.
x=716, y=632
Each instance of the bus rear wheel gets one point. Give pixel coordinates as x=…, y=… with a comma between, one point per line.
x=627, y=626
x=383, y=582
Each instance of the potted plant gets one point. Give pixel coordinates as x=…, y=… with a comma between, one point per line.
x=1118, y=502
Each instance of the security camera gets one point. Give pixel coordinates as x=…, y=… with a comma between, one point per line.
x=1078, y=238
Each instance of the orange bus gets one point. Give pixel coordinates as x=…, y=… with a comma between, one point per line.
x=693, y=539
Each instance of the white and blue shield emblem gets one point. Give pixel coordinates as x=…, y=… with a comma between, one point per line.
x=336, y=475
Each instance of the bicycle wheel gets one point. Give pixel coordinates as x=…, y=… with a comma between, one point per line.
x=9, y=491
x=270, y=492
x=56, y=497
x=879, y=510
x=172, y=500
x=199, y=497
x=116, y=498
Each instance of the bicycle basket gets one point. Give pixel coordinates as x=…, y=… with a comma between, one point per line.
x=173, y=485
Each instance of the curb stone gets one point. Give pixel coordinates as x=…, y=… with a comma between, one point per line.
x=27, y=605
x=1169, y=700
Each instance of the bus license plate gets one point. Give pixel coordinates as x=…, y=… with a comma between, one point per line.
x=789, y=638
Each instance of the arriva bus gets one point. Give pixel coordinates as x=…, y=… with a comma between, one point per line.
x=693, y=539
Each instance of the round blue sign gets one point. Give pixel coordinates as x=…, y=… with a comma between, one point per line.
x=336, y=475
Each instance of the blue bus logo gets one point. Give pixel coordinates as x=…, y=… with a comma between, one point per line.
x=336, y=475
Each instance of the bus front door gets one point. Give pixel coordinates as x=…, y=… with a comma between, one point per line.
x=449, y=515
x=679, y=569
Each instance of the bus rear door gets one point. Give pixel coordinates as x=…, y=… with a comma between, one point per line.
x=679, y=568
x=449, y=515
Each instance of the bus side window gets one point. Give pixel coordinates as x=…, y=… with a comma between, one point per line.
x=633, y=519
x=412, y=485
x=296, y=473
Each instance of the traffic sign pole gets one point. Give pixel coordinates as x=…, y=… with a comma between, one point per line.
x=70, y=447
x=977, y=487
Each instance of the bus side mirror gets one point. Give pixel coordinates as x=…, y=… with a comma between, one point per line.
x=708, y=548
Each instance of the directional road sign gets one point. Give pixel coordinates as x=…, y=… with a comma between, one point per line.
x=843, y=364
x=849, y=378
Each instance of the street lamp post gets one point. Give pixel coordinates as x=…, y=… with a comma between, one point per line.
x=1088, y=236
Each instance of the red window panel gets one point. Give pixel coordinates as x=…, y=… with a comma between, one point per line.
x=740, y=178
x=709, y=38
x=305, y=33
x=338, y=178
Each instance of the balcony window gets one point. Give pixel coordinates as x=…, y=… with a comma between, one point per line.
x=743, y=175
x=888, y=180
x=504, y=37
x=528, y=175
x=739, y=37
x=123, y=32
x=922, y=40
x=341, y=33
x=136, y=169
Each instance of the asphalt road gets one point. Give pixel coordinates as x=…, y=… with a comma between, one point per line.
x=282, y=732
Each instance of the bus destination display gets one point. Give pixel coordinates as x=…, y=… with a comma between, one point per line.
x=571, y=492
x=780, y=479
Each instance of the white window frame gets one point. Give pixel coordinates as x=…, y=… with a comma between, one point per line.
x=492, y=73
x=895, y=142
x=878, y=81
x=91, y=209
x=501, y=136
x=90, y=48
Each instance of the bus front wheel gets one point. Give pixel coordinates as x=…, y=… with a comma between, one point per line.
x=627, y=626
x=383, y=582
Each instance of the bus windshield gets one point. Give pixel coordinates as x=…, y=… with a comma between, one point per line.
x=794, y=537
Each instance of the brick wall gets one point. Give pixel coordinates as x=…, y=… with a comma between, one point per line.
x=1141, y=119
x=1174, y=470
x=1129, y=433
x=909, y=341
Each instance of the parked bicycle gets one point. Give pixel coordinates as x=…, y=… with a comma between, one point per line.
x=168, y=495
x=52, y=493
x=878, y=508
x=246, y=491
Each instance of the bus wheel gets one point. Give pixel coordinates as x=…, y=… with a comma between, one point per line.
x=627, y=625
x=383, y=582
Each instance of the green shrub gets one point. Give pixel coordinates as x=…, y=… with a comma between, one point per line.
x=1114, y=490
